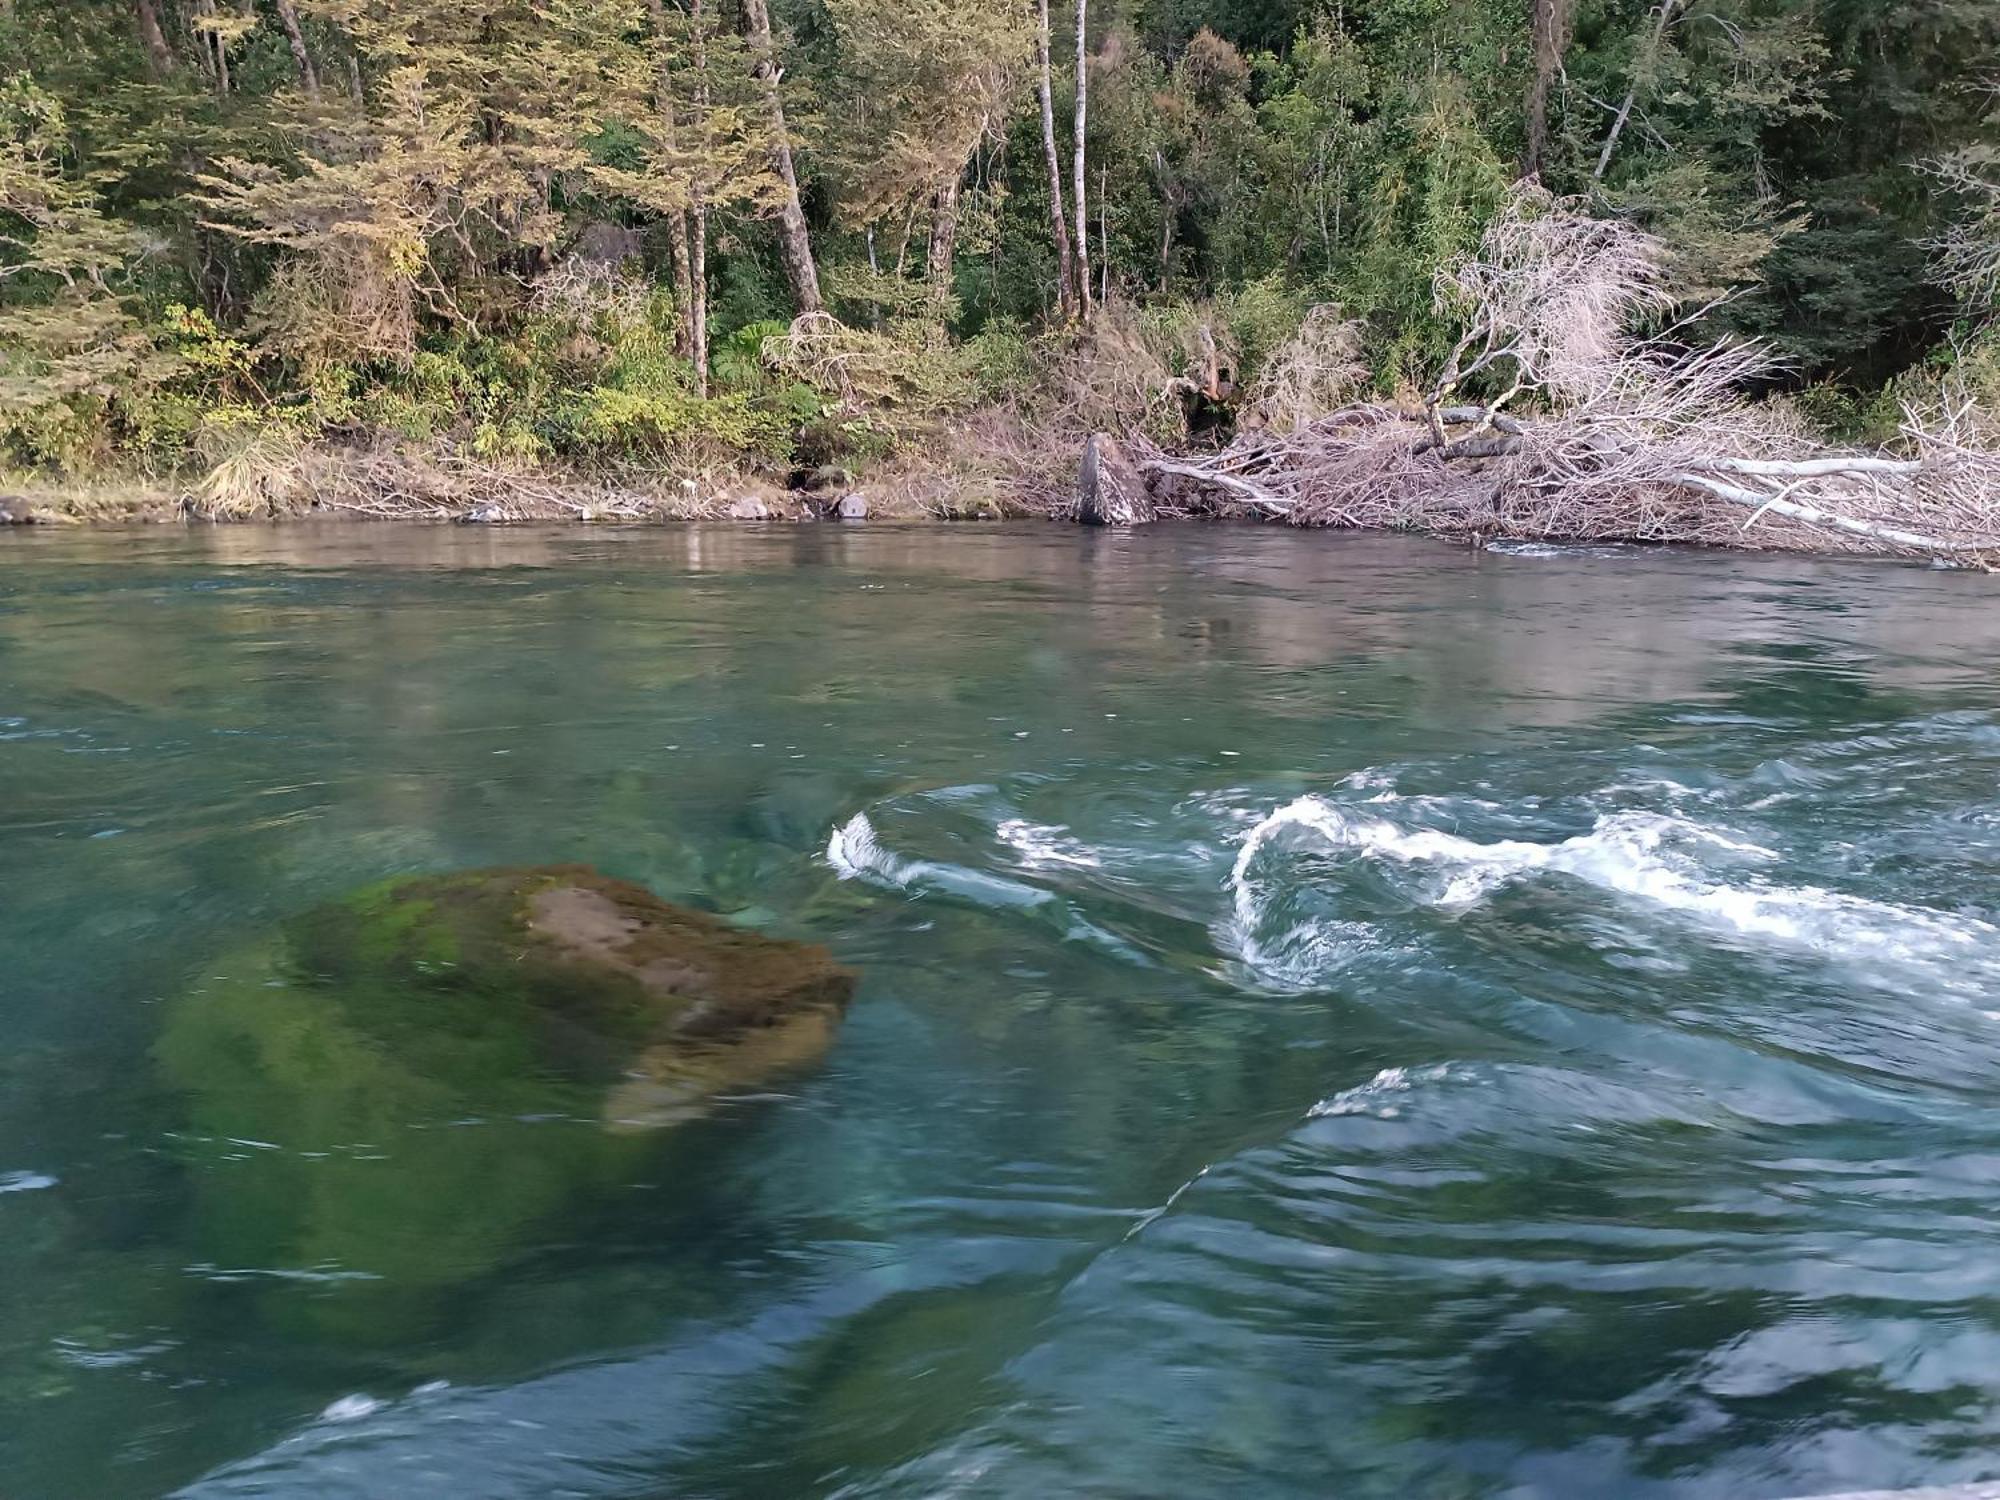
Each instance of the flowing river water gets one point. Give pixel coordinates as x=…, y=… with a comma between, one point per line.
x=1338, y=1017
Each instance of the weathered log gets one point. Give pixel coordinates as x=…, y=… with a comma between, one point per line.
x=1110, y=490
x=1814, y=515
x=1241, y=488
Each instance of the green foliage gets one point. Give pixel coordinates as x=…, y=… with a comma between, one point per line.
x=478, y=223
x=1439, y=183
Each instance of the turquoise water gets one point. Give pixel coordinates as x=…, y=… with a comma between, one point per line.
x=1338, y=1016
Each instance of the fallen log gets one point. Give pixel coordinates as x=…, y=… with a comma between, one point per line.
x=1252, y=494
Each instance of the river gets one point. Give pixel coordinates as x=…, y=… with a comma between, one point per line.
x=1338, y=1015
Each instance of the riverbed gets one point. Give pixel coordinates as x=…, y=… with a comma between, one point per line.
x=1338, y=1015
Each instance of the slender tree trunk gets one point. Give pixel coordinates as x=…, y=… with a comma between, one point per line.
x=680, y=247
x=944, y=238
x=1058, y=222
x=1642, y=66
x=1076, y=167
x=159, y=56
x=288, y=17
x=218, y=50
x=666, y=111
x=698, y=212
x=1551, y=37
x=1103, y=236
x=794, y=242
x=698, y=286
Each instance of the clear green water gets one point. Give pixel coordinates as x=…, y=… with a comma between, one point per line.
x=1339, y=1017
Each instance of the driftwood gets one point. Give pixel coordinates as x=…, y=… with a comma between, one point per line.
x=1587, y=430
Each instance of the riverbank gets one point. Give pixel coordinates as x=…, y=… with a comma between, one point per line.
x=387, y=484
x=1428, y=495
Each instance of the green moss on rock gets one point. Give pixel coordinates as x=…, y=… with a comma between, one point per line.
x=386, y=1098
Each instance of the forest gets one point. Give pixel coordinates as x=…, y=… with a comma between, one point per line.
x=395, y=254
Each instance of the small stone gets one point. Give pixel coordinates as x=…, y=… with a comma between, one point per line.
x=852, y=508
x=749, y=508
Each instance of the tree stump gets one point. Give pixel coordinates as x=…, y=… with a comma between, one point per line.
x=1110, y=491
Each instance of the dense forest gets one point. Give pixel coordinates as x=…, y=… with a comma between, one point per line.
x=689, y=237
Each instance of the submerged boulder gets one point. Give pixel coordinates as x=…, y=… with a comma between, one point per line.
x=397, y=1088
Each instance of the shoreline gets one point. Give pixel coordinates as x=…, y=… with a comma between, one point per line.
x=335, y=523
x=963, y=486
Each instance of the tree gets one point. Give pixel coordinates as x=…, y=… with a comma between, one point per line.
x=1077, y=180
x=67, y=337
x=1550, y=35
x=1058, y=225
x=916, y=89
x=1968, y=250
x=794, y=241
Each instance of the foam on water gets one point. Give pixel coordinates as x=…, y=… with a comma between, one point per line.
x=1377, y=1096
x=1041, y=847
x=1650, y=860
x=856, y=853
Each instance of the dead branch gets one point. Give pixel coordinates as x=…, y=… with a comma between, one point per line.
x=1615, y=433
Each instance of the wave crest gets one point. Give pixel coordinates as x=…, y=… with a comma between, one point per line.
x=1649, y=860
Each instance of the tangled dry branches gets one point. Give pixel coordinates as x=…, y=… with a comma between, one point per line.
x=1587, y=428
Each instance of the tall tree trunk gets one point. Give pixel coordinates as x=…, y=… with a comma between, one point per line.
x=944, y=238
x=698, y=309
x=288, y=17
x=218, y=49
x=698, y=213
x=665, y=109
x=680, y=246
x=159, y=56
x=1551, y=37
x=1076, y=166
x=1103, y=235
x=1058, y=220
x=794, y=242
x=1642, y=67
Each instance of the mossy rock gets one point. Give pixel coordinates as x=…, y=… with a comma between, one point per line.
x=384, y=1101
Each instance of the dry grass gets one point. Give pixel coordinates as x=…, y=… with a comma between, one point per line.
x=104, y=499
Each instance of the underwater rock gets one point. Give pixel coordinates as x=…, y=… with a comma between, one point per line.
x=384, y=1101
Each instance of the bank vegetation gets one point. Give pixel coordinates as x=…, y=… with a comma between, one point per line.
x=1638, y=269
